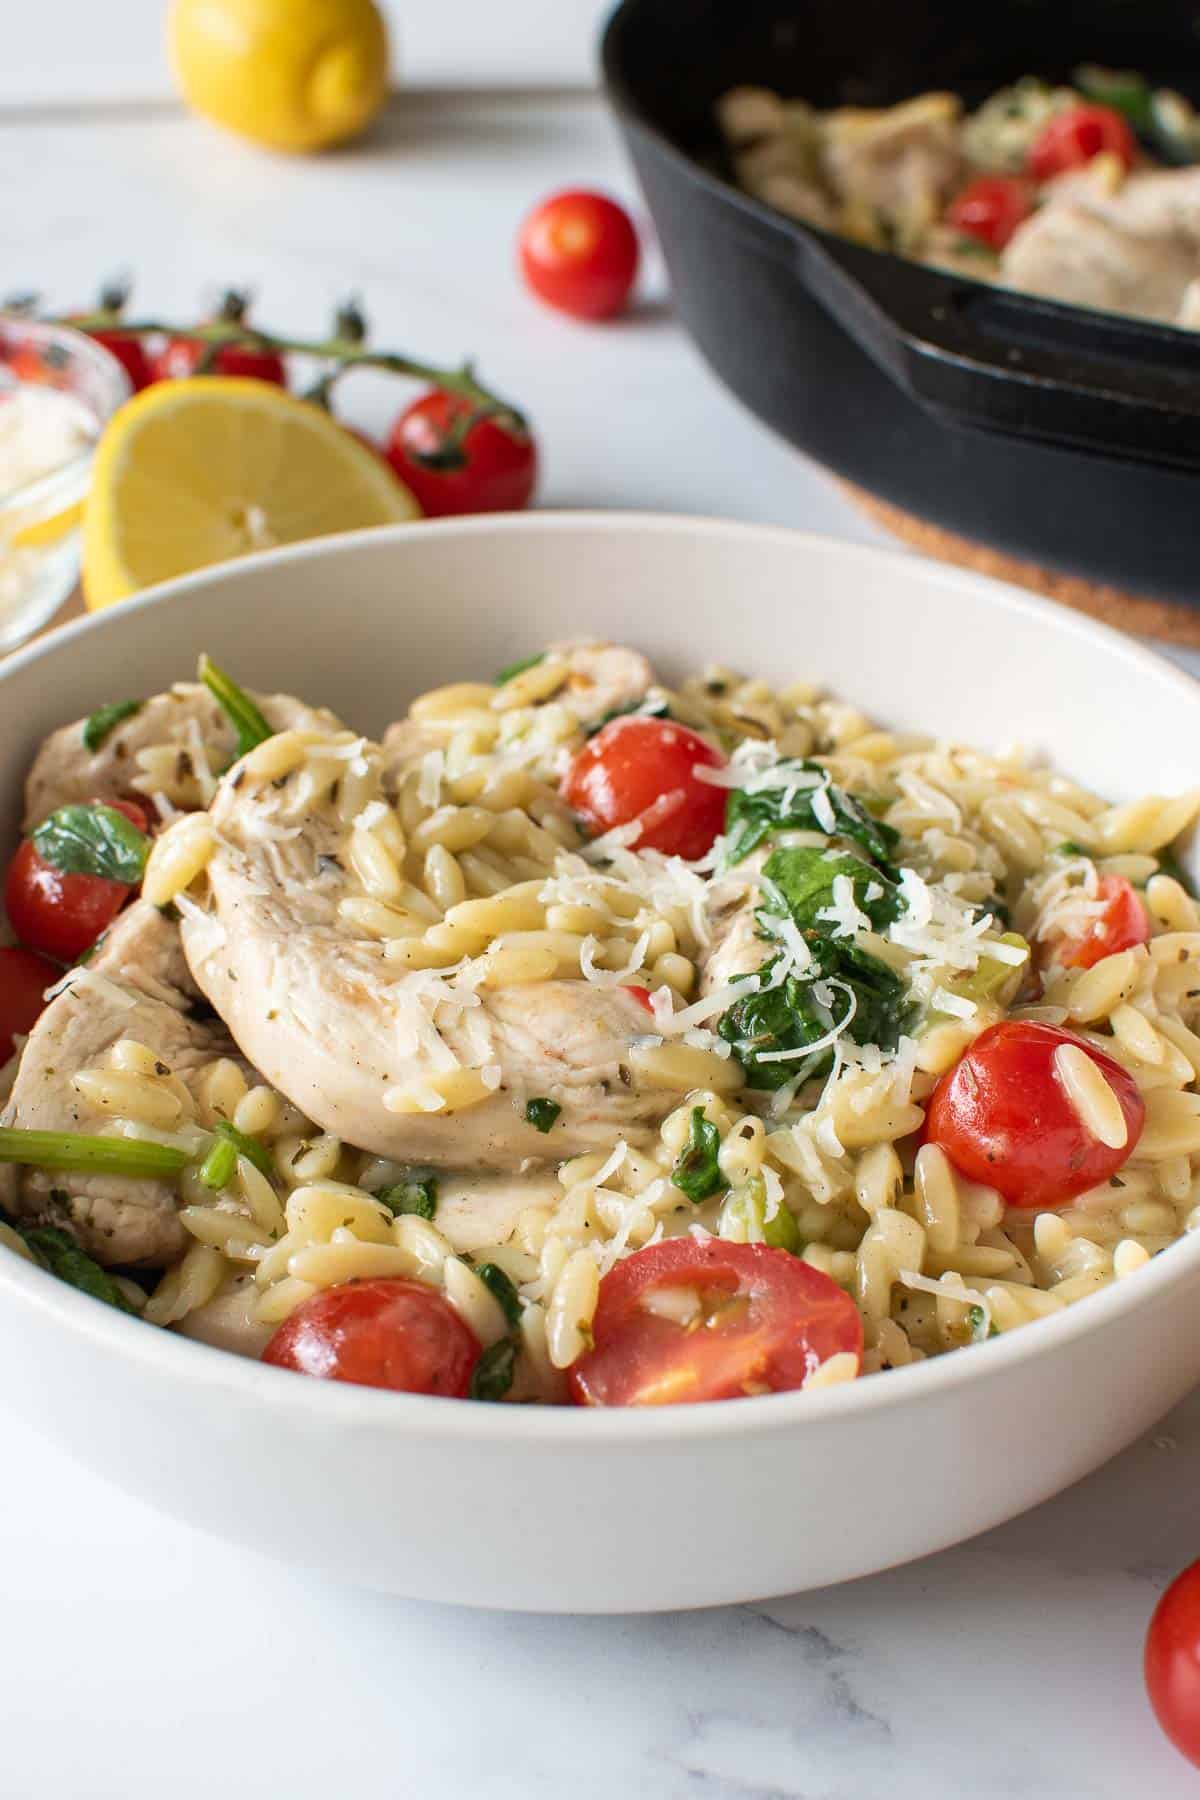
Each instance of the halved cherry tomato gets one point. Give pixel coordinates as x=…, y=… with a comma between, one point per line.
x=764, y=1321
x=1123, y=923
x=638, y=768
x=59, y=914
x=1073, y=137
x=24, y=978
x=494, y=469
x=990, y=208
x=1172, y=1662
x=1004, y=1118
x=385, y=1333
x=579, y=253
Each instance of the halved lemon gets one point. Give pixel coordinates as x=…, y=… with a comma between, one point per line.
x=191, y=473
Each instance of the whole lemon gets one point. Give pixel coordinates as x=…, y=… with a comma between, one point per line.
x=288, y=74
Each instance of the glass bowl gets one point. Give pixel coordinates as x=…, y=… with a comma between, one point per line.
x=39, y=520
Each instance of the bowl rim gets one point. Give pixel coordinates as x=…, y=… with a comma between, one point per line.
x=431, y=1417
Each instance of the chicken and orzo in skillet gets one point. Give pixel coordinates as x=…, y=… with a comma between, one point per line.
x=589, y=1040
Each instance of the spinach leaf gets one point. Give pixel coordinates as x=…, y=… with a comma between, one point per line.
x=541, y=1113
x=501, y=1289
x=61, y=1255
x=105, y=719
x=416, y=1193
x=744, y=1219
x=1125, y=91
x=93, y=840
x=252, y=729
x=697, y=1172
x=493, y=1375
x=517, y=668
x=798, y=884
x=751, y=818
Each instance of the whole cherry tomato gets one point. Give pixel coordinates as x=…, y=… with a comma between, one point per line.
x=130, y=352
x=637, y=768
x=763, y=1321
x=1073, y=137
x=990, y=208
x=1123, y=924
x=24, y=978
x=180, y=357
x=387, y=1333
x=579, y=253
x=493, y=469
x=60, y=914
x=1172, y=1662
x=1005, y=1118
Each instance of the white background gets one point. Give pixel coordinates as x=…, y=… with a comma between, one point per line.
x=64, y=50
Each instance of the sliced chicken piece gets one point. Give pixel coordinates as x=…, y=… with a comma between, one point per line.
x=229, y=1320
x=601, y=679
x=898, y=166
x=1067, y=252
x=596, y=679
x=476, y=1210
x=185, y=719
x=356, y=1040
x=735, y=948
x=129, y=991
x=1122, y=243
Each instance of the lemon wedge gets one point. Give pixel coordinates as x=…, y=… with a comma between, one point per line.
x=191, y=473
x=288, y=74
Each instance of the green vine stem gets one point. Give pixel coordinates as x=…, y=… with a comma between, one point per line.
x=344, y=352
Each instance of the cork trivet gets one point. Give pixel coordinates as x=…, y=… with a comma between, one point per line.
x=1172, y=621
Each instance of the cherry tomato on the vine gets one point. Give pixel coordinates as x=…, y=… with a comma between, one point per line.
x=761, y=1322
x=493, y=469
x=59, y=914
x=1122, y=924
x=640, y=768
x=24, y=978
x=181, y=357
x=990, y=208
x=579, y=253
x=1004, y=1116
x=1172, y=1662
x=130, y=352
x=1074, y=136
x=387, y=1332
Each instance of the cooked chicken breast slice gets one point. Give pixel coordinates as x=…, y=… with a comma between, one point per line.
x=898, y=165
x=185, y=719
x=137, y=985
x=354, y=1040
x=1070, y=253
x=735, y=947
x=597, y=679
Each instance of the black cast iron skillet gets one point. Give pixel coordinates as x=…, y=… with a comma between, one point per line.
x=1068, y=437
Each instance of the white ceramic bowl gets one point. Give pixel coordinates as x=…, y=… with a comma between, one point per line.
x=556, y=1509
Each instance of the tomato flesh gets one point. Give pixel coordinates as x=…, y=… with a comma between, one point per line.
x=765, y=1322
x=1004, y=1119
x=1073, y=137
x=386, y=1333
x=579, y=253
x=1172, y=1663
x=24, y=978
x=990, y=209
x=636, y=768
x=1123, y=924
x=181, y=357
x=499, y=467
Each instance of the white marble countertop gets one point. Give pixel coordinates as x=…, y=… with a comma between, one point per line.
x=138, y=1659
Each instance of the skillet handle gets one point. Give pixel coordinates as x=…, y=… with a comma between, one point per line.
x=999, y=361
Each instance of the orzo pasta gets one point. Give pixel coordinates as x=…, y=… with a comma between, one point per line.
x=592, y=1040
